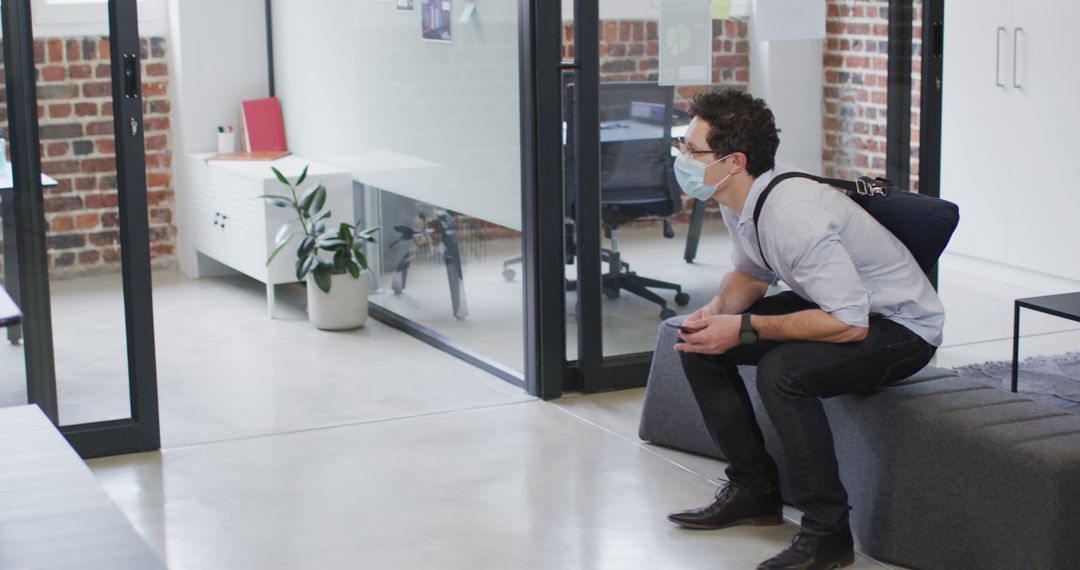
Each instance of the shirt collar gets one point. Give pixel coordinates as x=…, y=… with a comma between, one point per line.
x=756, y=189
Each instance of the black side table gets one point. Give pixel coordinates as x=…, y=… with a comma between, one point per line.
x=1066, y=306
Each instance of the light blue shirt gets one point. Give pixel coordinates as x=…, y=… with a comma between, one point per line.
x=830, y=251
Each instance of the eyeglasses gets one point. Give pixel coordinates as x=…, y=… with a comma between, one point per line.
x=686, y=150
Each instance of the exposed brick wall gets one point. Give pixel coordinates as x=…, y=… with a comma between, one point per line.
x=629, y=51
x=78, y=150
x=856, y=86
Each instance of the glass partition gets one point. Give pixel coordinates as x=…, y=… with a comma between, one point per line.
x=421, y=104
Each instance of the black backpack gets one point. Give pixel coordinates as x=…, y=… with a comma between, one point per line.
x=922, y=223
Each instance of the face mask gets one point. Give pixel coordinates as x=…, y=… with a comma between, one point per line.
x=691, y=176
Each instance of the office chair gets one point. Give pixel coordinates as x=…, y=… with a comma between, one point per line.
x=636, y=179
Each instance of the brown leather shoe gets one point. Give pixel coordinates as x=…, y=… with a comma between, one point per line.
x=733, y=506
x=810, y=552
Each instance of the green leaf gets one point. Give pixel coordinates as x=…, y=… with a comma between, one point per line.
x=303, y=266
x=307, y=200
x=306, y=245
x=319, y=228
x=303, y=175
x=323, y=216
x=278, y=249
x=284, y=234
x=354, y=269
x=341, y=258
x=322, y=277
x=360, y=258
x=277, y=201
x=320, y=198
x=281, y=176
x=331, y=244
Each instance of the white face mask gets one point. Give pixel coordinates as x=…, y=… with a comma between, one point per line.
x=691, y=176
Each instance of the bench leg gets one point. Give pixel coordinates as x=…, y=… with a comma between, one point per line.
x=1016, y=347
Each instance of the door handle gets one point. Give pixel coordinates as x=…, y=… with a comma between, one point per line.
x=132, y=81
x=1016, y=52
x=997, y=62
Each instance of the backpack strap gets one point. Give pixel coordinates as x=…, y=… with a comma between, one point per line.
x=846, y=185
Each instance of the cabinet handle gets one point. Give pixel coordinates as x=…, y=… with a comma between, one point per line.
x=1016, y=44
x=997, y=62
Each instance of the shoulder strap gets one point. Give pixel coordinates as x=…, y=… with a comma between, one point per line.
x=845, y=185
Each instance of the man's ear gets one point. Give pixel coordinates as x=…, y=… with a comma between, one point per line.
x=739, y=160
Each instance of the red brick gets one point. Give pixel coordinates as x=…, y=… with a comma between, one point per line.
x=97, y=90
x=61, y=224
x=99, y=128
x=86, y=109
x=159, y=197
x=74, y=50
x=106, y=146
x=104, y=50
x=101, y=201
x=85, y=183
x=58, y=149
x=156, y=69
x=60, y=111
x=53, y=73
x=56, y=50
x=89, y=257
x=156, y=124
x=97, y=165
x=111, y=255
x=80, y=71
x=157, y=142
x=158, y=179
x=87, y=221
x=63, y=204
x=155, y=89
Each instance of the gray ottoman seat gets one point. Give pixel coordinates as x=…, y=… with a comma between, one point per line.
x=942, y=472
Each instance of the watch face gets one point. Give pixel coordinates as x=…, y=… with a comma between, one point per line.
x=748, y=337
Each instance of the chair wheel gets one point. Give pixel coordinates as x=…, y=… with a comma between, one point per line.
x=682, y=299
x=666, y=313
x=509, y=274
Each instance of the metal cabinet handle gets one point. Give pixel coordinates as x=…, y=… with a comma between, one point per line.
x=1016, y=43
x=997, y=62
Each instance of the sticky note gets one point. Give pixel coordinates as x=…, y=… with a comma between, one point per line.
x=721, y=9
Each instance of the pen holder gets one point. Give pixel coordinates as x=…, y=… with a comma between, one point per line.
x=226, y=142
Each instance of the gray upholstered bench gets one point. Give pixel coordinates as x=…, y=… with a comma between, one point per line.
x=942, y=472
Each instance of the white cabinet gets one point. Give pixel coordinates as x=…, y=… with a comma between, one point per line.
x=233, y=226
x=1008, y=123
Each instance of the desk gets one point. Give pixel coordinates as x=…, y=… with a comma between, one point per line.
x=53, y=513
x=1066, y=306
x=11, y=261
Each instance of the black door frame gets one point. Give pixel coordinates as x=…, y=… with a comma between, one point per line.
x=140, y=432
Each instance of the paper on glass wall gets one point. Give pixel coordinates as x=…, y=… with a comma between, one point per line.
x=777, y=20
x=685, y=42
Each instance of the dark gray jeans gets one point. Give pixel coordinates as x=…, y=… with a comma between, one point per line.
x=792, y=376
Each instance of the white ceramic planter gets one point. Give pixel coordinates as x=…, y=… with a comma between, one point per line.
x=344, y=307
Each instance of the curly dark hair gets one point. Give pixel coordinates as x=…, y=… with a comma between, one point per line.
x=739, y=123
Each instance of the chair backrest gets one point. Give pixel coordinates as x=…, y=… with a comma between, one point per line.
x=636, y=178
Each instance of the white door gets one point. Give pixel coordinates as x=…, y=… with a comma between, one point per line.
x=976, y=95
x=1045, y=121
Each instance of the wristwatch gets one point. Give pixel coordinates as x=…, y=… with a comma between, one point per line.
x=747, y=334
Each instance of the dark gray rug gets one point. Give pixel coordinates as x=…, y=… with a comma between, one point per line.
x=1052, y=380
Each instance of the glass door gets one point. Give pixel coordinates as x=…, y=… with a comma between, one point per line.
x=79, y=223
x=642, y=250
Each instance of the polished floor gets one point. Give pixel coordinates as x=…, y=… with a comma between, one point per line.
x=286, y=447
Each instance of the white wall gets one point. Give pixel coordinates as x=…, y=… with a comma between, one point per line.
x=788, y=75
x=436, y=122
x=91, y=18
x=217, y=58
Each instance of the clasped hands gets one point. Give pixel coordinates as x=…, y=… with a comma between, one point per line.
x=714, y=333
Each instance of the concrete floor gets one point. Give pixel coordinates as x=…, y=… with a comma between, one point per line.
x=286, y=447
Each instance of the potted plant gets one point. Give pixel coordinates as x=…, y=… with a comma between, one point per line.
x=331, y=260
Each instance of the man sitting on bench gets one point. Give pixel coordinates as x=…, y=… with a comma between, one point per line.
x=861, y=314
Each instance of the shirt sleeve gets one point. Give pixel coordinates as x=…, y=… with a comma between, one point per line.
x=808, y=243
x=744, y=264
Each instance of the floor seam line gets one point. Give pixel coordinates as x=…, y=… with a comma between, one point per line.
x=349, y=424
x=1022, y=337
